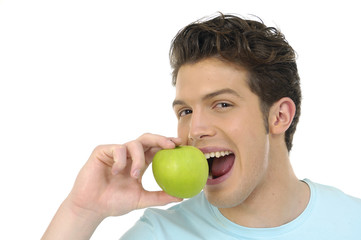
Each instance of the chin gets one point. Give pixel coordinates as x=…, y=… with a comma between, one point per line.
x=222, y=200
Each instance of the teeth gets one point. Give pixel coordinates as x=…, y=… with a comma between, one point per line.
x=217, y=154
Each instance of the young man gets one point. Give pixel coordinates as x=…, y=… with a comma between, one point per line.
x=237, y=90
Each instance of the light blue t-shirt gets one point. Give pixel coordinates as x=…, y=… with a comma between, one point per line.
x=330, y=215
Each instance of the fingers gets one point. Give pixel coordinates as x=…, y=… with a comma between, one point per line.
x=120, y=159
x=152, y=140
x=135, y=155
x=136, y=152
x=142, y=150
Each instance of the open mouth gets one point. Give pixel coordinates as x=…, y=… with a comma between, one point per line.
x=220, y=163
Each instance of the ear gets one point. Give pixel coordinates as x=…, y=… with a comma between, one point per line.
x=281, y=115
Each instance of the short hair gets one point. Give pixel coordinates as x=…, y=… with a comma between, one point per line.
x=262, y=50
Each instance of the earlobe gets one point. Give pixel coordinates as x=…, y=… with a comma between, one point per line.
x=281, y=115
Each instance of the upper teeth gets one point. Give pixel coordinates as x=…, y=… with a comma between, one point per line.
x=217, y=154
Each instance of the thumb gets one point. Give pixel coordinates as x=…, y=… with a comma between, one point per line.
x=157, y=198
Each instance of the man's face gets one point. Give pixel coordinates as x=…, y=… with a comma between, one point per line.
x=218, y=113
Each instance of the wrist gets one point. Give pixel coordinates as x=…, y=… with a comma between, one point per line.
x=82, y=214
x=72, y=222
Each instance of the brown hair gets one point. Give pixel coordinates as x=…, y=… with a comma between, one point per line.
x=262, y=50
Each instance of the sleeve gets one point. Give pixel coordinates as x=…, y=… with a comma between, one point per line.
x=142, y=229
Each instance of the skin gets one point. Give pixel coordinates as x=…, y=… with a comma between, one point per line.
x=109, y=184
x=216, y=110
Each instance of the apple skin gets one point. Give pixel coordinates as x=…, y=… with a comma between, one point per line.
x=181, y=172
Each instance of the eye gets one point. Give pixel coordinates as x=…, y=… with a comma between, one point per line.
x=184, y=112
x=223, y=105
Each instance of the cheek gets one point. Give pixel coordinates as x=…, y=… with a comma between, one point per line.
x=251, y=142
x=254, y=156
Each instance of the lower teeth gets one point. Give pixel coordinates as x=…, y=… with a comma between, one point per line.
x=210, y=176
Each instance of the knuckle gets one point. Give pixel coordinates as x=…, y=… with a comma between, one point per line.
x=145, y=135
x=99, y=148
x=132, y=144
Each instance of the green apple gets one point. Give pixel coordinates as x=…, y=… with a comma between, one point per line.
x=181, y=172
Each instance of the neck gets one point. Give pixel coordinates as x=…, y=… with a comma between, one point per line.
x=279, y=199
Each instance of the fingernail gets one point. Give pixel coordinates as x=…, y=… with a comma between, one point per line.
x=136, y=173
x=115, y=171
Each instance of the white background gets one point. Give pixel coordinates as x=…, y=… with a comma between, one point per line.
x=75, y=74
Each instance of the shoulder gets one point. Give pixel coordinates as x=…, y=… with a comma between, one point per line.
x=333, y=195
x=332, y=203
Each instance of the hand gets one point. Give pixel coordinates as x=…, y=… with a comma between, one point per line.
x=110, y=184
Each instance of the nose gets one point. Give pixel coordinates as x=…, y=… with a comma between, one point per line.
x=200, y=127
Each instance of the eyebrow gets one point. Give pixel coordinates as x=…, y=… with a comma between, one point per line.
x=210, y=95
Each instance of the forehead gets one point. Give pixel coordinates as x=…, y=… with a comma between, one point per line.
x=210, y=75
